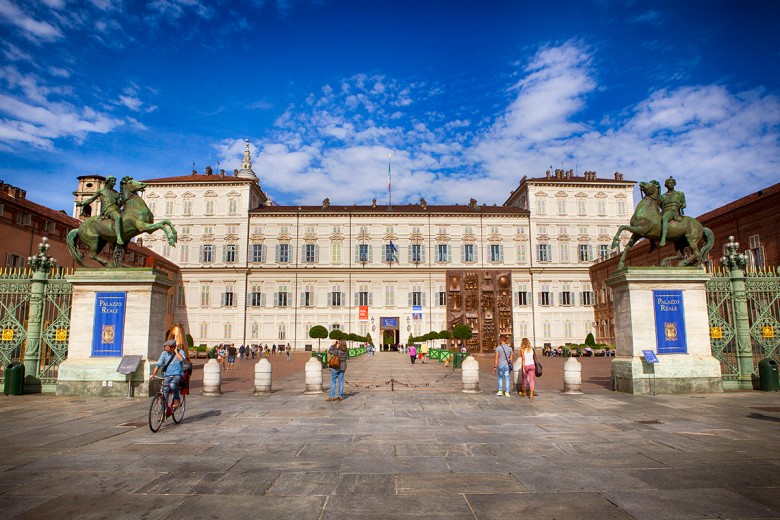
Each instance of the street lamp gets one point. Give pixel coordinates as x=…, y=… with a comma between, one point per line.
x=408, y=325
x=373, y=324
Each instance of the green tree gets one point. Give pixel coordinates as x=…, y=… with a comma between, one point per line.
x=318, y=332
x=445, y=334
x=336, y=334
x=590, y=341
x=462, y=332
x=388, y=337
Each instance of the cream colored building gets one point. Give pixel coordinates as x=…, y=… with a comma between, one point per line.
x=256, y=272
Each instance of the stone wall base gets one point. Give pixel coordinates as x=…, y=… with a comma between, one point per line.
x=97, y=377
x=673, y=374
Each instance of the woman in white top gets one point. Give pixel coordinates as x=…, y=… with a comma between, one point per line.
x=528, y=370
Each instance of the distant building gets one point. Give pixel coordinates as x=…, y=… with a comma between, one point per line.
x=256, y=272
x=753, y=221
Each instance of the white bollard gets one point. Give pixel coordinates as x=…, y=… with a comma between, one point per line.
x=469, y=375
x=517, y=378
x=212, y=378
x=572, y=376
x=313, y=376
x=263, y=370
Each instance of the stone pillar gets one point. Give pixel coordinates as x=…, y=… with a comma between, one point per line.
x=572, y=376
x=469, y=375
x=144, y=331
x=694, y=371
x=313, y=376
x=212, y=378
x=517, y=377
x=263, y=370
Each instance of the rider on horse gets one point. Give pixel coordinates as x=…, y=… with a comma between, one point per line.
x=672, y=205
x=110, y=202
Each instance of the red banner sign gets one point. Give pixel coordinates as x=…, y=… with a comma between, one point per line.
x=363, y=312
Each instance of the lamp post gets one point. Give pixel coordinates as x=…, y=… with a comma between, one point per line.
x=736, y=262
x=373, y=324
x=40, y=264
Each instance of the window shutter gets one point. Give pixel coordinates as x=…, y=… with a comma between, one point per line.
x=316, y=253
x=357, y=298
x=449, y=253
x=410, y=298
x=422, y=253
x=343, y=299
x=476, y=253
x=370, y=299
x=370, y=253
x=201, y=253
x=303, y=253
x=462, y=253
x=357, y=253
x=501, y=253
x=276, y=299
x=517, y=298
x=278, y=249
x=560, y=298
x=424, y=299
x=409, y=255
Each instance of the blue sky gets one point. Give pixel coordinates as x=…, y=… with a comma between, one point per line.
x=467, y=96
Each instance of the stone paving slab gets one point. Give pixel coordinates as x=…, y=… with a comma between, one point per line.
x=427, y=453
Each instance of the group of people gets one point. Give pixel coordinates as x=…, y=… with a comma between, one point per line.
x=226, y=354
x=527, y=361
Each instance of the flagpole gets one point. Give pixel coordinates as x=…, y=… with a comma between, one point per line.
x=389, y=190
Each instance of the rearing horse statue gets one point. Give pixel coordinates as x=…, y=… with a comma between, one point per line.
x=96, y=232
x=646, y=223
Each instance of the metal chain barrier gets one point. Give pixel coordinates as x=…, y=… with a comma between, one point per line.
x=392, y=382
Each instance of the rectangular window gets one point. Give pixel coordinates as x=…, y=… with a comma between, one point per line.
x=335, y=252
x=442, y=253
x=390, y=254
x=543, y=252
x=567, y=332
x=585, y=253
x=281, y=297
x=468, y=253
x=603, y=251
x=231, y=230
x=184, y=253
x=187, y=207
x=207, y=253
x=521, y=256
x=283, y=253
x=209, y=207
x=416, y=254
x=282, y=331
x=205, y=295
x=204, y=331
x=563, y=253
x=601, y=206
x=362, y=298
x=208, y=230
x=231, y=252
x=181, y=300
x=389, y=295
x=522, y=298
x=363, y=253
x=566, y=298
x=545, y=296
x=582, y=207
x=621, y=208
x=335, y=297
x=169, y=208
x=416, y=296
x=232, y=206
x=166, y=250
x=256, y=296
x=542, y=230
x=586, y=298
x=307, y=296
x=561, y=206
x=468, y=230
x=310, y=253
x=496, y=253
x=442, y=299
x=541, y=207
x=229, y=297
x=258, y=253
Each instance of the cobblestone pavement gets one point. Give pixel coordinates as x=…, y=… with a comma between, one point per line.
x=423, y=452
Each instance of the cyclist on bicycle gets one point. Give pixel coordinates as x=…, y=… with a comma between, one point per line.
x=170, y=360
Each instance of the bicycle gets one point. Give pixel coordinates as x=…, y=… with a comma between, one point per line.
x=162, y=408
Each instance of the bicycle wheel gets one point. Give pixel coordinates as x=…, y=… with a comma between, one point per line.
x=156, y=412
x=178, y=414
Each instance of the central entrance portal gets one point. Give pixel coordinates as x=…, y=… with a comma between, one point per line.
x=389, y=333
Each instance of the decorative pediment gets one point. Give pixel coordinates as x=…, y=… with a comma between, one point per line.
x=233, y=194
x=363, y=236
x=620, y=196
x=541, y=194
x=601, y=195
x=416, y=237
x=442, y=238
x=521, y=237
x=543, y=238
x=184, y=239
x=561, y=194
x=257, y=238
x=310, y=237
x=188, y=195
x=231, y=238
x=170, y=195
x=563, y=238
x=494, y=238
x=152, y=195
x=469, y=237
x=207, y=239
x=582, y=239
x=210, y=193
x=284, y=237
x=337, y=237
x=581, y=195
x=604, y=238
x=390, y=236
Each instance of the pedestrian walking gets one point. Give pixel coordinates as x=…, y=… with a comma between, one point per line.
x=287, y=351
x=241, y=352
x=231, y=356
x=339, y=348
x=413, y=353
x=528, y=370
x=501, y=365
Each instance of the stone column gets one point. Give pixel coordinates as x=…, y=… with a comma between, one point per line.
x=263, y=370
x=212, y=378
x=313, y=380
x=469, y=375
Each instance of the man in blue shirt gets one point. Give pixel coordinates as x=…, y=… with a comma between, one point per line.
x=170, y=360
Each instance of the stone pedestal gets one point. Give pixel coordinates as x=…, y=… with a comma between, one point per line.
x=144, y=331
x=635, y=330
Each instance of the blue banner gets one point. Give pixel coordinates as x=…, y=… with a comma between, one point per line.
x=669, y=322
x=389, y=323
x=109, y=329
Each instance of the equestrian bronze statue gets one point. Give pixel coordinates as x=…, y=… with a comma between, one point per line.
x=123, y=216
x=659, y=218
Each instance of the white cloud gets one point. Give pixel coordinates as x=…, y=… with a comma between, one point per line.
x=31, y=28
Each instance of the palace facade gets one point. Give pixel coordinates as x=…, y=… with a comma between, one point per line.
x=256, y=272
